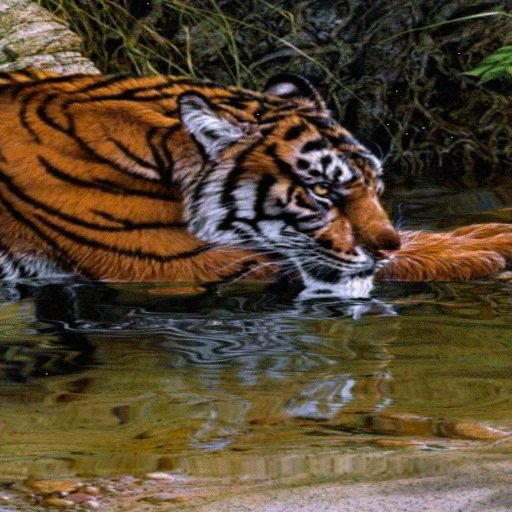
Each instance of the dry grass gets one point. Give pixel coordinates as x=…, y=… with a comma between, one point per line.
x=393, y=71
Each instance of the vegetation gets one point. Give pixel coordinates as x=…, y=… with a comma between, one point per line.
x=394, y=71
x=494, y=66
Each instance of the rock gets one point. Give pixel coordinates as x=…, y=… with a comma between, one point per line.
x=58, y=502
x=165, y=497
x=45, y=487
x=91, y=489
x=161, y=476
x=32, y=37
x=469, y=430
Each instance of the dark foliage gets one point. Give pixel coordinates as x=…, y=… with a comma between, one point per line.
x=391, y=69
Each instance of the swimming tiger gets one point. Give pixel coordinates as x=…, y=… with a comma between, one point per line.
x=173, y=179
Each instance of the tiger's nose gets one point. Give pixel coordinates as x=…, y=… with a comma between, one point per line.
x=384, y=239
x=370, y=222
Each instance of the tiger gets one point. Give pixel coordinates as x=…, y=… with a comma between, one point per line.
x=164, y=178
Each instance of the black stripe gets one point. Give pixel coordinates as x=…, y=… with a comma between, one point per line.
x=103, y=185
x=314, y=145
x=173, y=113
x=112, y=187
x=167, y=170
x=265, y=132
x=19, y=86
x=27, y=72
x=295, y=132
x=164, y=168
x=45, y=118
x=23, y=115
x=102, y=82
x=125, y=93
x=284, y=167
x=6, y=75
x=197, y=194
x=137, y=253
x=342, y=140
x=63, y=259
x=130, y=154
x=125, y=96
x=128, y=225
x=150, y=134
x=325, y=161
x=132, y=93
x=43, y=115
x=230, y=184
x=75, y=237
x=275, y=118
x=264, y=186
x=238, y=102
x=53, y=79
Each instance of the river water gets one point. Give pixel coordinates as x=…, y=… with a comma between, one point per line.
x=243, y=384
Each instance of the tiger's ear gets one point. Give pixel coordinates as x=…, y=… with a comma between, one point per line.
x=212, y=133
x=291, y=86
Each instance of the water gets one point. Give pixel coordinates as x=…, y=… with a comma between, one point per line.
x=243, y=384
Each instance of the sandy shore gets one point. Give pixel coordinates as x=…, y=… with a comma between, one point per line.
x=450, y=481
x=487, y=488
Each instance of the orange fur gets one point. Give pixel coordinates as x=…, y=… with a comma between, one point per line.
x=464, y=253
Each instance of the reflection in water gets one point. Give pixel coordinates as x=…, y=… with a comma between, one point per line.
x=126, y=379
x=247, y=384
x=322, y=400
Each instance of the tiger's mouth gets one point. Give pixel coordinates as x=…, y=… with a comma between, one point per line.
x=328, y=273
x=329, y=282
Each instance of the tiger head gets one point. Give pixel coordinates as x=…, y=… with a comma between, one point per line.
x=294, y=183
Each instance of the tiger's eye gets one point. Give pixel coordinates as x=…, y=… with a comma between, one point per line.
x=320, y=190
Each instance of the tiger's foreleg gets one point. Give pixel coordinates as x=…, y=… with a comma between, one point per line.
x=470, y=252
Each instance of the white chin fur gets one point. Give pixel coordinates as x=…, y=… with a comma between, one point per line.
x=348, y=288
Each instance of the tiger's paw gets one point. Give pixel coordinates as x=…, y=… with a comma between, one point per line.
x=469, y=252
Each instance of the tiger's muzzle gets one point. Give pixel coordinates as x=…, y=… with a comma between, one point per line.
x=370, y=224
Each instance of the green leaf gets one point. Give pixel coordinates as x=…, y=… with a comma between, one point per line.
x=504, y=49
x=495, y=58
x=479, y=70
x=493, y=73
x=493, y=65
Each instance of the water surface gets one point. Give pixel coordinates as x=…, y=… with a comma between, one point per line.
x=244, y=384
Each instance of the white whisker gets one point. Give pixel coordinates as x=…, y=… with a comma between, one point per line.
x=253, y=270
x=247, y=257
